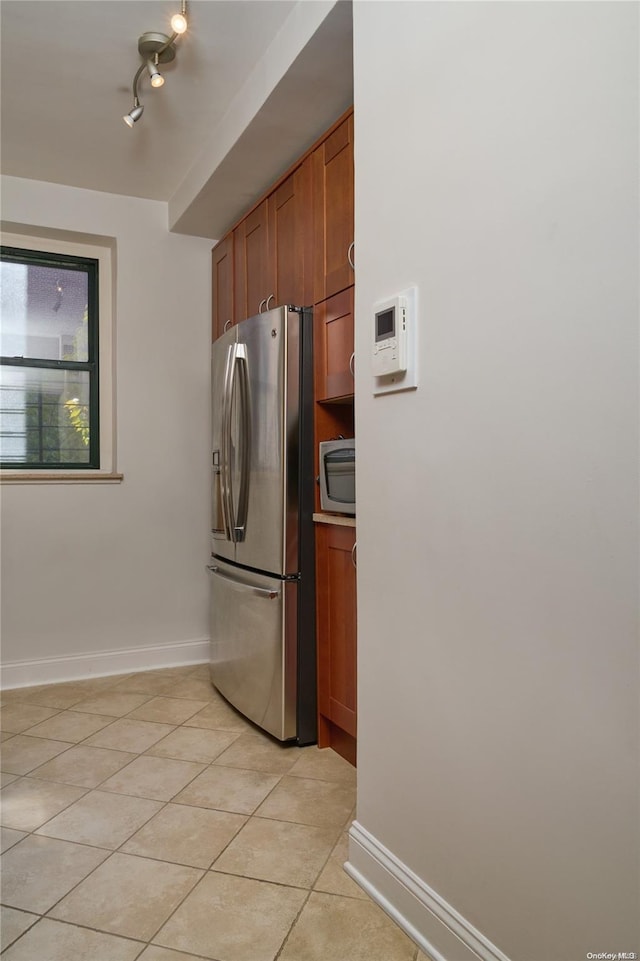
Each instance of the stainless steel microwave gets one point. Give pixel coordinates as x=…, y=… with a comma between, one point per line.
x=338, y=475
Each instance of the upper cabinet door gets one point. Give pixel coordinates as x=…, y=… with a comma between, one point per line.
x=333, y=203
x=291, y=239
x=222, y=290
x=254, y=280
x=272, y=249
x=333, y=347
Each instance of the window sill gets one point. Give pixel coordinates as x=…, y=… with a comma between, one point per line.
x=61, y=477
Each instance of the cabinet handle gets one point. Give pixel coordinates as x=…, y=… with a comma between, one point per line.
x=352, y=364
x=270, y=297
x=354, y=555
x=227, y=325
x=260, y=306
x=349, y=257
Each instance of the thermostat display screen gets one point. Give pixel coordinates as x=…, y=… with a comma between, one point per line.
x=385, y=324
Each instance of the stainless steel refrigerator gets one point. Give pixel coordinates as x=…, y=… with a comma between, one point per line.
x=263, y=650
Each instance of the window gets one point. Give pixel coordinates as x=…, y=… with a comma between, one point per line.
x=49, y=410
x=56, y=354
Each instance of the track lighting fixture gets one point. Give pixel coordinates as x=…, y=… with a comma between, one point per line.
x=155, y=48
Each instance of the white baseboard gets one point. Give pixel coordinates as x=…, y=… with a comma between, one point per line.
x=75, y=667
x=437, y=928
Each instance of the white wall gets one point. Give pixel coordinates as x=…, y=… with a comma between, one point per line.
x=496, y=168
x=88, y=569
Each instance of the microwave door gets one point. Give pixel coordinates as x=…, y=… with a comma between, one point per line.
x=338, y=475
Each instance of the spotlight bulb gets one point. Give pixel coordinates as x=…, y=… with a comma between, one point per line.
x=179, y=23
x=134, y=115
x=157, y=79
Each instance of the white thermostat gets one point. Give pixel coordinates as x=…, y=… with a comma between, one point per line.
x=394, y=335
x=390, y=336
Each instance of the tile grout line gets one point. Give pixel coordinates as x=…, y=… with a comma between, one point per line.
x=26, y=777
x=38, y=918
x=292, y=926
x=76, y=924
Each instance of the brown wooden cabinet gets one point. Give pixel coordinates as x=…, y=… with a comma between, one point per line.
x=272, y=249
x=296, y=245
x=291, y=239
x=333, y=207
x=222, y=289
x=333, y=347
x=336, y=627
x=253, y=276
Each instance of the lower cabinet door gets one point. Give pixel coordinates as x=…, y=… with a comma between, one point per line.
x=336, y=620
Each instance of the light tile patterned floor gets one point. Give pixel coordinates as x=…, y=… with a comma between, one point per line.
x=143, y=818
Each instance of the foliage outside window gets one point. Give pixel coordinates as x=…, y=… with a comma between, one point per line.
x=49, y=405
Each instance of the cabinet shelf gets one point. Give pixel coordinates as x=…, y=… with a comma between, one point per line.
x=342, y=520
x=336, y=401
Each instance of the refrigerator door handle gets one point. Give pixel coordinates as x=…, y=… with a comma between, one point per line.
x=225, y=467
x=240, y=365
x=260, y=591
x=236, y=366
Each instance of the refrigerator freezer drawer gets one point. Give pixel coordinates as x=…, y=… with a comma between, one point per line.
x=254, y=645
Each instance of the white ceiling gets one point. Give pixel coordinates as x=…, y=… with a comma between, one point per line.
x=254, y=82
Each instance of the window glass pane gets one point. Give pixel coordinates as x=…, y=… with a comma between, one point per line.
x=44, y=312
x=44, y=416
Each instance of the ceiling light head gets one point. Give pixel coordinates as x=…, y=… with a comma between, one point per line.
x=179, y=20
x=179, y=23
x=157, y=79
x=134, y=114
